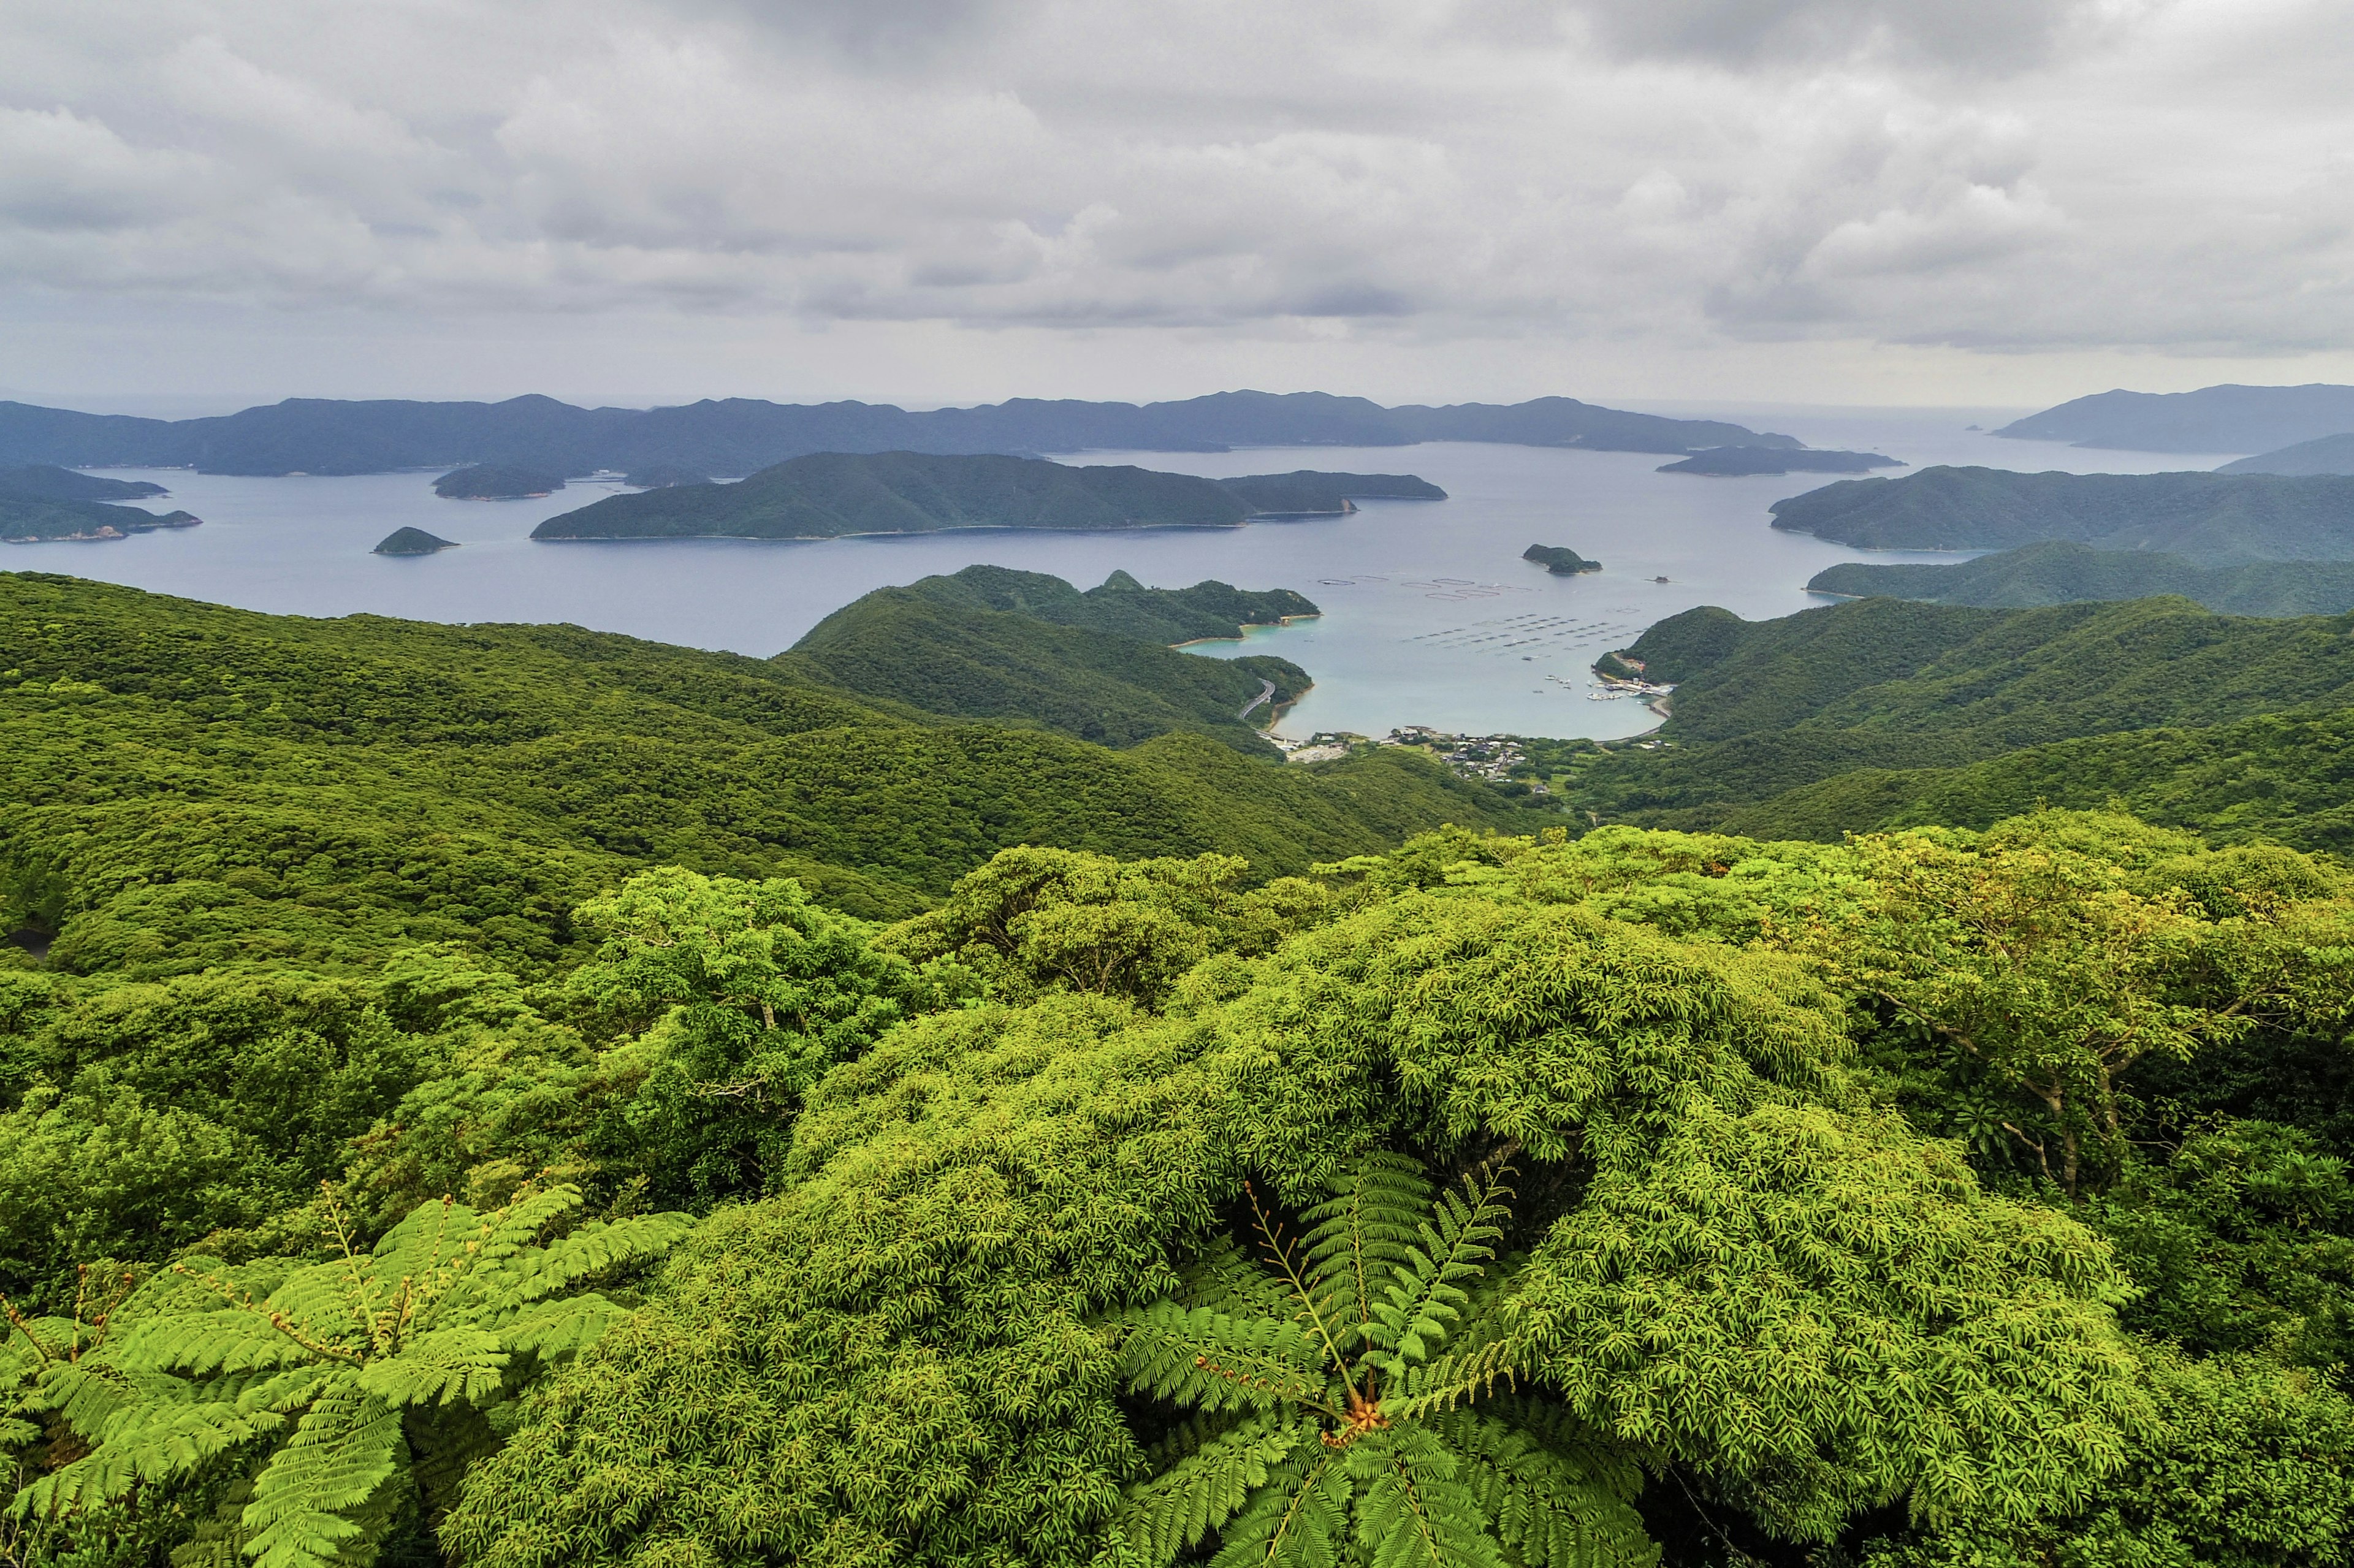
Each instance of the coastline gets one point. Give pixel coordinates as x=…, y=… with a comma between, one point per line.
x=1247, y=625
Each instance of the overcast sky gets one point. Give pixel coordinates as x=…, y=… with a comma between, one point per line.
x=1731, y=201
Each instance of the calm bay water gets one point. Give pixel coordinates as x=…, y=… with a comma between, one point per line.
x=1431, y=616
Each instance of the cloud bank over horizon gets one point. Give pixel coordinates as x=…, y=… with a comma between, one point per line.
x=1449, y=179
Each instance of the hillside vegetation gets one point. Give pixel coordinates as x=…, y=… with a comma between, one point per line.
x=517, y=1098
x=2059, y=572
x=2211, y=519
x=187, y=784
x=928, y=645
x=1765, y=707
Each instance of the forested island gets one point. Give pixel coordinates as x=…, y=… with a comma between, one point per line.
x=1734, y=462
x=412, y=542
x=1559, y=560
x=739, y=435
x=826, y=1125
x=496, y=482
x=2211, y=419
x=2211, y=519
x=2060, y=572
x=832, y=494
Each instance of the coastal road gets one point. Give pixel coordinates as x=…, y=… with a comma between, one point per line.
x=1265, y=691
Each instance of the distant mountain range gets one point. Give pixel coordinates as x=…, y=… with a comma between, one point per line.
x=2060, y=572
x=829, y=494
x=2214, y=519
x=2211, y=419
x=738, y=436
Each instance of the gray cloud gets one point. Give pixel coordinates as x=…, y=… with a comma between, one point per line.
x=2012, y=175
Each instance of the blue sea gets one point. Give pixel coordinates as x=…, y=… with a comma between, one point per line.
x=1431, y=616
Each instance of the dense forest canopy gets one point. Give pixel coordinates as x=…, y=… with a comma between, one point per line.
x=519, y=1097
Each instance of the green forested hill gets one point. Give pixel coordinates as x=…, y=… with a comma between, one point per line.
x=2213, y=519
x=832, y=493
x=1765, y=707
x=186, y=784
x=912, y=646
x=400, y=1166
x=2060, y=572
x=1120, y=604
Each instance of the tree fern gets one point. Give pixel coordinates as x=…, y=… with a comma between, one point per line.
x=1357, y=1401
x=345, y=1386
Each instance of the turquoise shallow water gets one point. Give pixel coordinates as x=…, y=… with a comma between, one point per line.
x=1431, y=616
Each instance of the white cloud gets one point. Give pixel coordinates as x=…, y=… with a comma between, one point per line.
x=2116, y=173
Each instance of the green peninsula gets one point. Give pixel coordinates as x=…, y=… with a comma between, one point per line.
x=2060, y=572
x=30, y=522
x=1725, y=463
x=2327, y=454
x=1050, y=656
x=1559, y=560
x=1121, y=604
x=496, y=482
x=47, y=482
x=2212, y=519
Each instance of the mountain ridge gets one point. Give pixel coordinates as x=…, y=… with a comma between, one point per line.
x=735, y=436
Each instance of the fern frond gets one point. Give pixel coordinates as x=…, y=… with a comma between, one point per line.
x=447, y=1365
x=218, y=1540
x=1225, y=1278
x=232, y=1339
x=1415, y=1511
x=1550, y=1423
x=1549, y=1509
x=1170, y=1514
x=444, y=1444
x=555, y=1329
x=1213, y=1362
x=311, y=1502
x=1427, y=1294
x=143, y=1442
x=1361, y=1234
x=515, y=1227
x=1299, y=1518
x=83, y=1394
x=599, y=1247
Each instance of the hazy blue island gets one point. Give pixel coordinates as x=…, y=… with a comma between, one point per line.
x=2330, y=454
x=47, y=482
x=830, y=495
x=2060, y=572
x=1559, y=560
x=740, y=435
x=1734, y=461
x=412, y=542
x=2213, y=519
x=2211, y=419
x=662, y=475
x=496, y=482
x=1307, y=493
